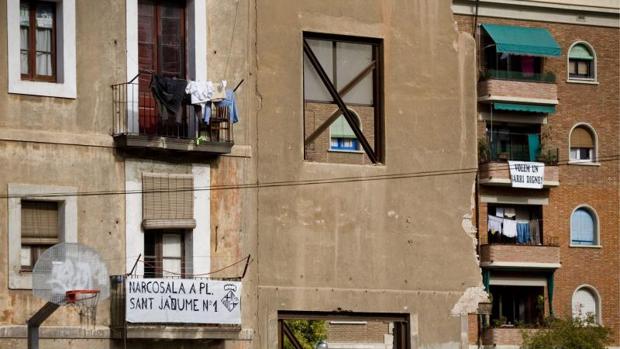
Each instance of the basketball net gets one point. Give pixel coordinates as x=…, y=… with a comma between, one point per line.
x=85, y=302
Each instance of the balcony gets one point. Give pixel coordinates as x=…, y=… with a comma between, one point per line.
x=510, y=336
x=519, y=87
x=121, y=328
x=497, y=173
x=139, y=125
x=546, y=256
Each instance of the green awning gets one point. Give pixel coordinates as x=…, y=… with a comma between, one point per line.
x=529, y=108
x=523, y=40
x=580, y=52
x=341, y=129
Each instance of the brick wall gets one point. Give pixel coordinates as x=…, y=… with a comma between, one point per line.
x=519, y=253
x=316, y=114
x=363, y=332
x=522, y=89
x=596, y=186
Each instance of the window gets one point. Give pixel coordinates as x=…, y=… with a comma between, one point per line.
x=341, y=71
x=511, y=142
x=585, y=304
x=37, y=25
x=526, y=227
x=342, y=137
x=41, y=47
x=583, y=227
x=39, y=221
x=342, y=330
x=581, y=62
x=514, y=305
x=35, y=224
x=582, y=144
x=163, y=254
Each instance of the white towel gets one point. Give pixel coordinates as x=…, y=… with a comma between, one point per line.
x=510, y=228
x=494, y=224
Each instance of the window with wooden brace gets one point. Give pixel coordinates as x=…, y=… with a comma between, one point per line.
x=301, y=330
x=341, y=73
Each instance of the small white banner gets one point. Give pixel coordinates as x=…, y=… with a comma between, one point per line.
x=525, y=174
x=183, y=301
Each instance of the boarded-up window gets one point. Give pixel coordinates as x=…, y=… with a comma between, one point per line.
x=39, y=230
x=168, y=201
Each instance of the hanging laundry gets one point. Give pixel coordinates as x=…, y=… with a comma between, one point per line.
x=229, y=102
x=509, y=228
x=499, y=212
x=169, y=93
x=509, y=212
x=494, y=225
x=202, y=92
x=523, y=232
x=535, y=231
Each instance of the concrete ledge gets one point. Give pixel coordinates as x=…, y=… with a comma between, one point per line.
x=188, y=332
x=57, y=332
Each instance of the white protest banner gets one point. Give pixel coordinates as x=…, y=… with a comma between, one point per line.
x=525, y=174
x=183, y=301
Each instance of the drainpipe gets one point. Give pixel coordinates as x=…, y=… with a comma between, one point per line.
x=550, y=292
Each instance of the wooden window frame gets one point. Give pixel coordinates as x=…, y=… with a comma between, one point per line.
x=158, y=259
x=32, y=44
x=376, y=68
x=576, y=75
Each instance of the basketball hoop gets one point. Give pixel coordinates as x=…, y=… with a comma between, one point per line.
x=85, y=301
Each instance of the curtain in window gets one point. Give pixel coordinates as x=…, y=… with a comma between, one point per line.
x=582, y=228
x=45, y=22
x=584, y=304
x=24, y=21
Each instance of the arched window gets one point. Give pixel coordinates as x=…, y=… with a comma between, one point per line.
x=581, y=62
x=582, y=144
x=585, y=304
x=583, y=227
x=341, y=135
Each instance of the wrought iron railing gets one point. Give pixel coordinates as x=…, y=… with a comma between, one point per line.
x=135, y=113
x=547, y=77
x=514, y=147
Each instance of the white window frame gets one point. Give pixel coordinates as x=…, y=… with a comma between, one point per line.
x=594, y=79
x=65, y=85
x=597, y=298
x=67, y=210
x=597, y=229
x=594, y=159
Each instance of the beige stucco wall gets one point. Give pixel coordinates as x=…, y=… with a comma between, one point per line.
x=387, y=245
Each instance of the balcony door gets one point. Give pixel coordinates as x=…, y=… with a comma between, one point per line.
x=161, y=50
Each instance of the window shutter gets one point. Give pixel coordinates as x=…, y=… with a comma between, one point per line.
x=39, y=222
x=168, y=201
x=581, y=138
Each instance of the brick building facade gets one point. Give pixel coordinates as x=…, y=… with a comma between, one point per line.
x=576, y=188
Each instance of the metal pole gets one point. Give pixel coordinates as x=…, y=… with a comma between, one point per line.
x=35, y=322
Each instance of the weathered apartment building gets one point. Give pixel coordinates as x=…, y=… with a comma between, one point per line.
x=548, y=109
x=342, y=169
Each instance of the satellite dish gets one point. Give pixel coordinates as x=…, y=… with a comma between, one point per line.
x=69, y=269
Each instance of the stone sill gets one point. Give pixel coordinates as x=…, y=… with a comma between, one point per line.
x=585, y=82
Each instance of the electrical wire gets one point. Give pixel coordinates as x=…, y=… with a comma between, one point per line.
x=276, y=184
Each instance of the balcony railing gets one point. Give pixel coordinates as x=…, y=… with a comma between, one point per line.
x=547, y=77
x=138, y=122
x=514, y=146
x=120, y=328
x=515, y=255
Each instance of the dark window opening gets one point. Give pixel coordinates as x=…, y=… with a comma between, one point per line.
x=340, y=72
x=38, y=40
x=508, y=142
x=516, y=306
x=516, y=224
x=164, y=254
